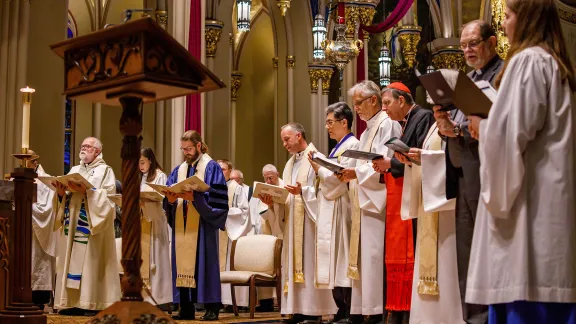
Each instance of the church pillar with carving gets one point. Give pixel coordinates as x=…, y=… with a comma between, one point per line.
x=212, y=35
x=276, y=126
x=320, y=75
x=290, y=64
x=234, y=88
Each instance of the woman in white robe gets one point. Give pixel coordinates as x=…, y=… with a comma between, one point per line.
x=522, y=261
x=155, y=235
x=436, y=298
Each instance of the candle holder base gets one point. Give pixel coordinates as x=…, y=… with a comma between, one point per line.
x=24, y=157
x=132, y=312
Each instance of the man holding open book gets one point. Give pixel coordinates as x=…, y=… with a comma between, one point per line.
x=196, y=219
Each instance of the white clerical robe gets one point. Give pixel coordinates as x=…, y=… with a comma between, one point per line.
x=264, y=220
x=368, y=292
x=99, y=283
x=424, y=195
x=159, y=252
x=524, y=245
x=44, y=239
x=300, y=298
x=333, y=222
x=237, y=225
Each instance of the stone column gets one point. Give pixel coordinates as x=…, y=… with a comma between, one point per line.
x=212, y=34
x=290, y=64
x=234, y=88
x=320, y=75
x=276, y=126
x=160, y=110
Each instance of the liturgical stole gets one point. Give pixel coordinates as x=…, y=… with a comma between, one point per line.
x=186, y=236
x=299, y=213
x=353, y=272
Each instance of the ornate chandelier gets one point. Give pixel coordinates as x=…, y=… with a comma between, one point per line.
x=243, y=15
x=319, y=33
x=384, y=62
x=341, y=51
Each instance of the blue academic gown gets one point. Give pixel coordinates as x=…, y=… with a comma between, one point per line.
x=213, y=209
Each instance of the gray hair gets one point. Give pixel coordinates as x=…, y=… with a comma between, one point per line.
x=368, y=89
x=269, y=168
x=97, y=142
x=240, y=174
x=399, y=93
x=451, y=76
x=298, y=128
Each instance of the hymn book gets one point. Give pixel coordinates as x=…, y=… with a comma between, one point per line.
x=65, y=180
x=279, y=194
x=190, y=184
x=144, y=197
x=399, y=147
x=473, y=99
x=361, y=155
x=328, y=163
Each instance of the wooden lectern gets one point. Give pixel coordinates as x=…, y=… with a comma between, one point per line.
x=127, y=65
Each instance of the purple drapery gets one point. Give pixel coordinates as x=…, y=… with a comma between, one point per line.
x=396, y=15
x=193, y=109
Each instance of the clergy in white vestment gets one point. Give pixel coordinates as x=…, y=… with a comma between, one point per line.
x=368, y=205
x=522, y=262
x=262, y=223
x=238, y=176
x=300, y=296
x=87, y=272
x=237, y=225
x=156, y=269
x=44, y=239
x=435, y=290
x=333, y=218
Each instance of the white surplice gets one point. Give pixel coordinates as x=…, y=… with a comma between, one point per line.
x=301, y=298
x=368, y=292
x=237, y=225
x=99, y=283
x=424, y=193
x=333, y=223
x=265, y=221
x=160, y=264
x=524, y=244
x=44, y=239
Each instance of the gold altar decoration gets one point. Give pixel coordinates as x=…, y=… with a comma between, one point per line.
x=341, y=51
x=162, y=18
x=235, y=84
x=283, y=5
x=275, y=62
x=317, y=72
x=409, y=37
x=498, y=10
x=212, y=34
x=366, y=15
x=449, y=59
x=290, y=61
x=352, y=15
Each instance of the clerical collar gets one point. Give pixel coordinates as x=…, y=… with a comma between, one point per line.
x=488, y=66
x=370, y=122
x=300, y=155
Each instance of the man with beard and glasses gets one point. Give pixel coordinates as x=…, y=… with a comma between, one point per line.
x=87, y=271
x=196, y=217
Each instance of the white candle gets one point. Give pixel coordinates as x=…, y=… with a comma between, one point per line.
x=26, y=100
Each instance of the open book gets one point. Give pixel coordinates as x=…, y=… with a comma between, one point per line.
x=190, y=184
x=328, y=163
x=400, y=147
x=438, y=89
x=279, y=194
x=361, y=155
x=65, y=180
x=473, y=99
x=144, y=196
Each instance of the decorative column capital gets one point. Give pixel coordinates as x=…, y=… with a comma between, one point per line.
x=235, y=84
x=283, y=5
x=498, y=10
x=290, y=61
x=275, y=62
x=366, y=15
x=352, y=14
x=449, y=58
x=162, y=18
x=318, y=72
x=212, y=34
x=409, y=37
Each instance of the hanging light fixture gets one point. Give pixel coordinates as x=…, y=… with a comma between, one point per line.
x=319, y=33
x=243, y=15
x=430, y=69
x=384, y=62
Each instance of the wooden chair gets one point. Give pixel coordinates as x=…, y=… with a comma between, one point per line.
x=254, y=262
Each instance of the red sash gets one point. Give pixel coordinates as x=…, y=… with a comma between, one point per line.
x=399, y=246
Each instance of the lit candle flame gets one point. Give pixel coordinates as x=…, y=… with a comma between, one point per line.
x=27, y=89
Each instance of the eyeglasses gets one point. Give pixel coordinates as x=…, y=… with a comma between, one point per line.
x=358, y=103
x=86, y=147
x=471, y=44
x=187, y=149
x=330, y=122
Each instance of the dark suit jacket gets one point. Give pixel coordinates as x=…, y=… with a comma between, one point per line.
x=464, y=149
